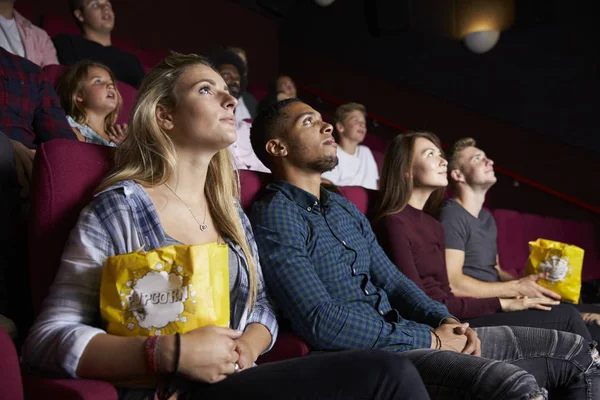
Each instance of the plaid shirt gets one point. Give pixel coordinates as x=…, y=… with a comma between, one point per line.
x=331, y=279
x=121, y=220
x=30, y=111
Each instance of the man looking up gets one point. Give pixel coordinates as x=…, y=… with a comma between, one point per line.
x=96, y=19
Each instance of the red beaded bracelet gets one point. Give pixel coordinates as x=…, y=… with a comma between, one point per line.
x=152, y=347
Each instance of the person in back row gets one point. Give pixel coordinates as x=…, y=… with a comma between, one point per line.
x=335, y=286
x=413, y=181
x=173, y=184
x=89, y=95
x=19, y=36
x=285, y=84
x=233, y=70
x=357, y=166
x=470, y=232
x=96, y=19
x=32, y=113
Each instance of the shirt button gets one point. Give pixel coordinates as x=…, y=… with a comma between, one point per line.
x=343, y=242
x=366, y=291
x=354, y=271
x=381, y=312
x=309, y=208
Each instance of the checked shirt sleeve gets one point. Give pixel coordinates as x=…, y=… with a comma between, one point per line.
x=49, y=120
x=281, y=234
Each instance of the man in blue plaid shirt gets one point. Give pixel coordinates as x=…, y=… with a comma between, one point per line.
x=325, y=268
x=338, y=290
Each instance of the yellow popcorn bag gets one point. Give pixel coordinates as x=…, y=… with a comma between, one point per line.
x=168, y=290
x=562, y=262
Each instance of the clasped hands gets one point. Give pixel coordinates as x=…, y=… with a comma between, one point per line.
x=458, y=337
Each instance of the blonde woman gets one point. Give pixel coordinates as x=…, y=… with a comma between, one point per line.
x=173, y=183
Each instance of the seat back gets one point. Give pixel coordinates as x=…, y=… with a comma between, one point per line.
x=252, y=185
x=363, y=199
x=11, y=386
x=65, y=175
x=55, y=24
x=516, y=230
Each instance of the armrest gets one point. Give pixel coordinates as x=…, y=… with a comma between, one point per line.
x=287, y=346
x=68, y=389
x=10, y=378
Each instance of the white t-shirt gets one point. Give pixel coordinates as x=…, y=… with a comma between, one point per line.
x=10, y=40
x=241, y=111
x=359, y=169
x=242, y=151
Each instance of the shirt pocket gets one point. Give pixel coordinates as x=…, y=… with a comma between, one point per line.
x=17, y=96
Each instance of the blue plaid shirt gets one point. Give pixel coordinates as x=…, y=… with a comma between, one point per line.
x=331, y=279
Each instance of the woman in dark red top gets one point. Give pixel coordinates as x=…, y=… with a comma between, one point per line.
x=414, y=179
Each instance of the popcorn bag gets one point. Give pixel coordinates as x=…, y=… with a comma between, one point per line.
x=168, y=290
x=562, y=262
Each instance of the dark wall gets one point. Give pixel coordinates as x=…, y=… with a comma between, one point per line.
x=190, y=26
x=570, y=170
x=542, y=75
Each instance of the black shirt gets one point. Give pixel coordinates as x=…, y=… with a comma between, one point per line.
x=72, y=49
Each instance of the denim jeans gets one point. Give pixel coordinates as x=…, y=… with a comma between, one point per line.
x=517, y=363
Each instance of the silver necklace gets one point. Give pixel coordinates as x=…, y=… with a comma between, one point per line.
x=202, y=225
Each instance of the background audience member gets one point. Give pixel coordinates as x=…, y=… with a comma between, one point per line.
x=88, y=93
x=19, y=36
x=241, y=53
x=96, y=20
x=413, y=181
x=285, y=84
x=357, y=166
x=33, y=114
x=233, y=69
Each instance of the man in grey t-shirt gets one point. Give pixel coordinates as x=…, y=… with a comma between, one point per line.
x=470, y=231
x=475, y=237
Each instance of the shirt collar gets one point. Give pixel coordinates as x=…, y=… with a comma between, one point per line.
x=301, y=197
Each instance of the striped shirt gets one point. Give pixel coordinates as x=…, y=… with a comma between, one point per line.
x=120, y=220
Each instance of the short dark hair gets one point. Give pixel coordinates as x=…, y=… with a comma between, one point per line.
x=73, y=6
x=265, y=127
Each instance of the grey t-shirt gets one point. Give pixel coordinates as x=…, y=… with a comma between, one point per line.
x=475, y=236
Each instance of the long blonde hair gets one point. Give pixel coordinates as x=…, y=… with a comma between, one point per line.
x=148, y=155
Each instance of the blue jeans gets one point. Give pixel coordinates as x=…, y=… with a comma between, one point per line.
x=516, y=363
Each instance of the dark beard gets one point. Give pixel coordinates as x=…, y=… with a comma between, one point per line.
x=324, y=164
